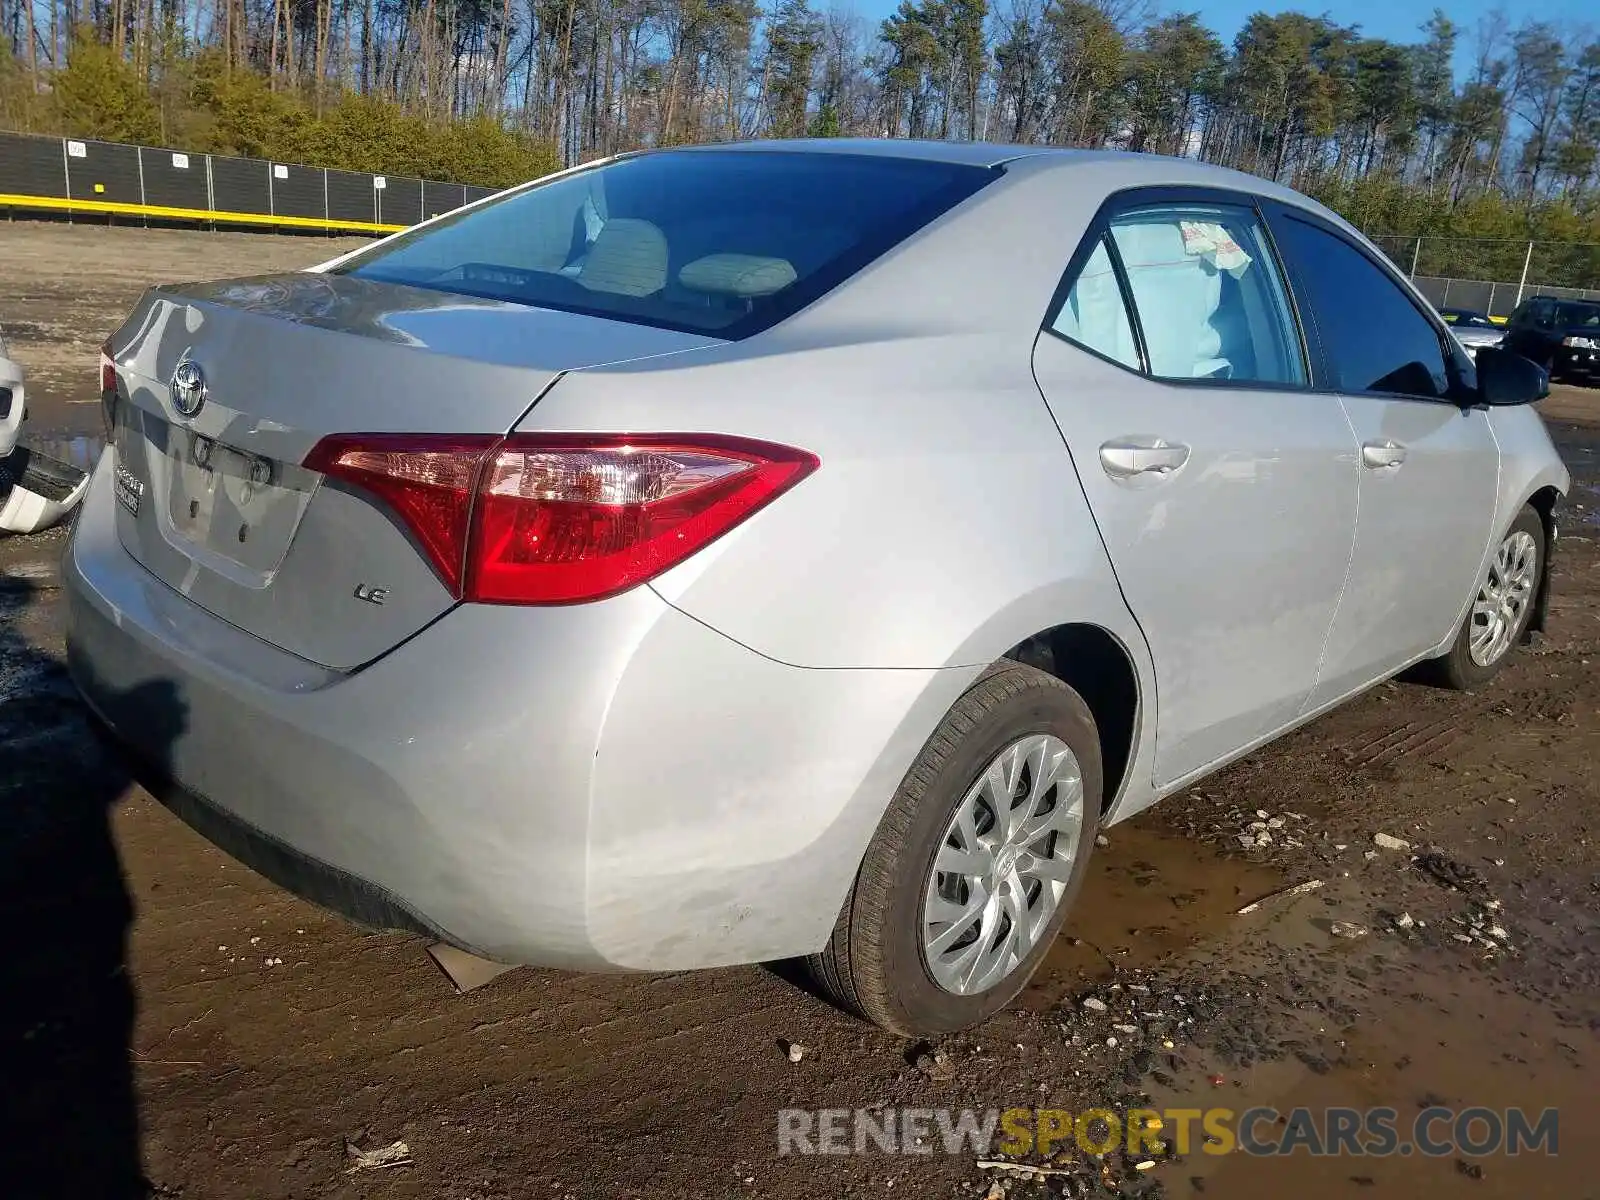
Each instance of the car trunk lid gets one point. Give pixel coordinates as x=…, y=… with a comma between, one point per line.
x=213, y=498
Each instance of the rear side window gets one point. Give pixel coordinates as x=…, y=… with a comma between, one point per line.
x=717, y=242
x=1375, y=337
x=1210, y=301
x=1094, y=315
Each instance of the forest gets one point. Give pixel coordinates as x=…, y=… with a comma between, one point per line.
x=1394, y=135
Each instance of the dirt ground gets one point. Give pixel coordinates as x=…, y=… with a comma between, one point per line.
x=167, y=1015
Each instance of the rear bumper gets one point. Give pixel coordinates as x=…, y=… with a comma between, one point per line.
x=356, y=899
x=602, y=786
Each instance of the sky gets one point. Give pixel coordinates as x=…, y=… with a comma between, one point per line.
x=1396, y=20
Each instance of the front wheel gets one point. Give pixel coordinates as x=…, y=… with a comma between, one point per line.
x=1501, y=607
x=976, y=862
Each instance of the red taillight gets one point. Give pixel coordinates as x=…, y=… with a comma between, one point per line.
x=108, y=392
x=563, y=518
x=427, y=481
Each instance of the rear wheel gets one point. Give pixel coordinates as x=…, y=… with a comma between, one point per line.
x=974, y=866
x=1501, y=607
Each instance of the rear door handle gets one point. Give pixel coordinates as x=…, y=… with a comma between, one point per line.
x=1126, y=457
x=1381, y=455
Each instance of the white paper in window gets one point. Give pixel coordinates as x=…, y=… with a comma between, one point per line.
x=1210, y=240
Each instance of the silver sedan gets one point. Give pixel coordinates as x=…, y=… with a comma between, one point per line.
x=726, y=554
x=1472, y=329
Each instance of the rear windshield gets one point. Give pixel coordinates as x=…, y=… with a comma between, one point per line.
x=704, y=241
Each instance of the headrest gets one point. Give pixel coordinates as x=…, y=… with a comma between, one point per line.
x=628, y=258
x=742, y=275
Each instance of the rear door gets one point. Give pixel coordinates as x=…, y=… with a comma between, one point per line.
x=1224, y=488
x=1429, y=466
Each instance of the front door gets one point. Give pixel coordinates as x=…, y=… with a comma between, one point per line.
x=1429, y=466
x=1223, y=487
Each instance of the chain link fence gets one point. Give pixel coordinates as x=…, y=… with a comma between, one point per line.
x=1493, y=275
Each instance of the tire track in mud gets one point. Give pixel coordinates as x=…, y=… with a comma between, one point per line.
x=1415, y=738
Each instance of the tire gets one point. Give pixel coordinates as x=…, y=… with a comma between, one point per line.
x=1459, y=668
x=876, y=963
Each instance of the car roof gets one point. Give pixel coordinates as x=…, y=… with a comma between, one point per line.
x=976, y=154
x=1116, y=169
x=1160, y=167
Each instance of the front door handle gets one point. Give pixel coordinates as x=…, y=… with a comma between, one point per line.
x=1125, y=457
x=1382, y=455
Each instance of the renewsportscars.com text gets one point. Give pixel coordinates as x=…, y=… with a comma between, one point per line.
x=1435, y=1131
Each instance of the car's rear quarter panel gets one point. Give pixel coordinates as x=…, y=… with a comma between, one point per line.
x=945, y=499
x=944, y=526
x=945, y=518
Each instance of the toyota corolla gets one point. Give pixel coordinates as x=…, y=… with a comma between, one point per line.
x=727, y=554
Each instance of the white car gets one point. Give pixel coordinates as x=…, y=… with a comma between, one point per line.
x=35, y=490
x=11, y=399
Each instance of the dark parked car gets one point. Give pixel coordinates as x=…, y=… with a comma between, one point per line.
x=1563, y=336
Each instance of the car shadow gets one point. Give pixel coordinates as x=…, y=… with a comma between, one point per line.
x=68, y=1111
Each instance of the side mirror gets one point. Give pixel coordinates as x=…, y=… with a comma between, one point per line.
x=1506, y=378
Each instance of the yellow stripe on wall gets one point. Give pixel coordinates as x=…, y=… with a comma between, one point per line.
x=192, y=214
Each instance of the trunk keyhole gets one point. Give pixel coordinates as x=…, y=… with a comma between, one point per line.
x=194, y=509
x=243, y=531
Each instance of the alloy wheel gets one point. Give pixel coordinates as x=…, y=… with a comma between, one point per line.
x=1503, y=598
x=1005, y=860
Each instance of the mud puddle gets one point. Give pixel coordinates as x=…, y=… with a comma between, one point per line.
x=1151, y=896
x=1437, y=1052
x=1587, y=508
x=78, y=450
x=1328, y=1007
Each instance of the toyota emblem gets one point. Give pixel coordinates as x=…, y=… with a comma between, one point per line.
x=188, y=387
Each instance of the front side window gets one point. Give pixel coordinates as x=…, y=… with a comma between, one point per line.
x=1375, y=337
x=1094, y=315
x=1577, y=315
x=1210, y=302
x=717, y=242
